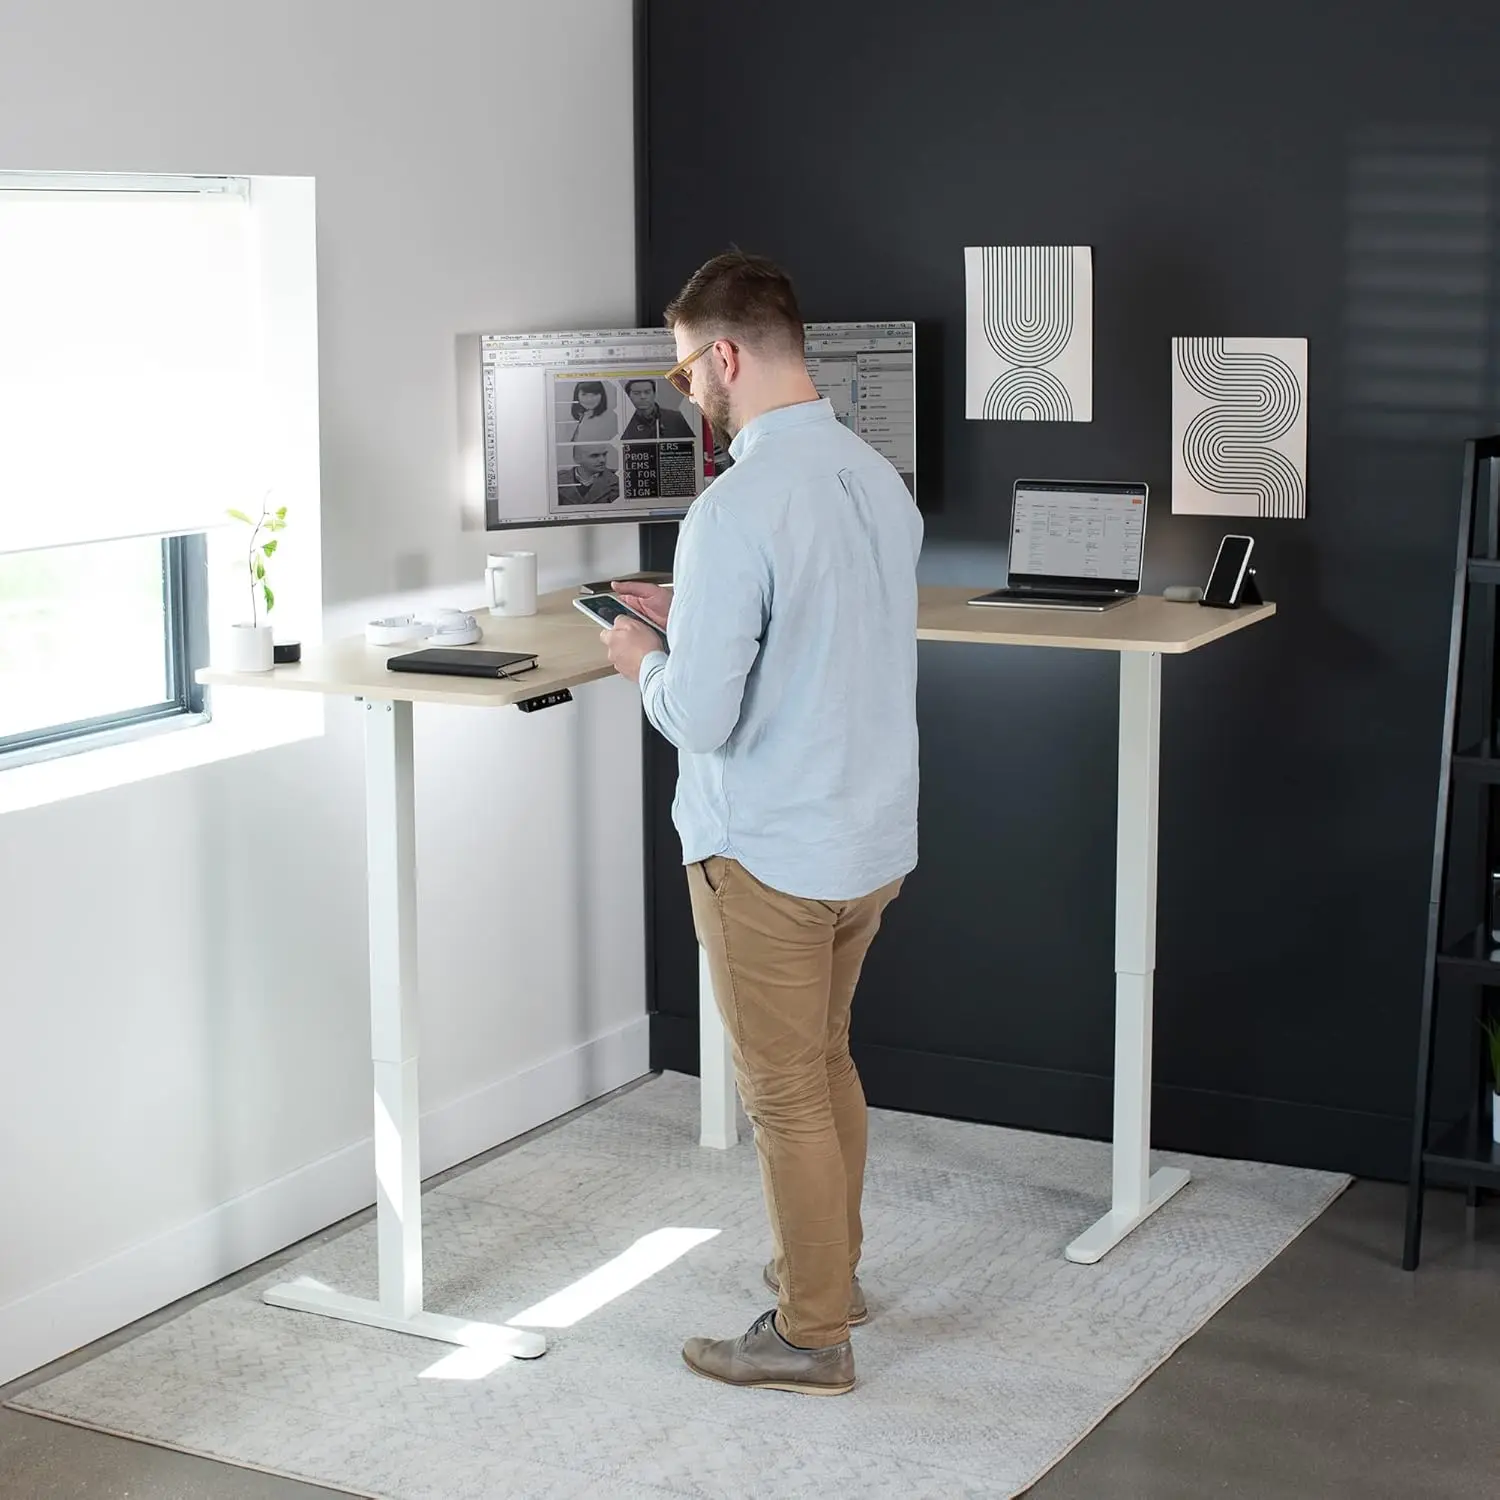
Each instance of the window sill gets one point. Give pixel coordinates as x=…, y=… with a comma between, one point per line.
x=236, y=728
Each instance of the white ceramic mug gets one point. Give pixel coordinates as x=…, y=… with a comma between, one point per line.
x=510, y=583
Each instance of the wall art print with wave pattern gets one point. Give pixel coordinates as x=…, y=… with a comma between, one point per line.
x=1239, y=427
x=1030, y=315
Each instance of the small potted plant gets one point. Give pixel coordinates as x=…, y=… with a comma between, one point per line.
x=1492, y=1036
x=252, y=648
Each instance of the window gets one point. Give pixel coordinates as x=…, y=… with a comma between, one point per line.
x=131, y=399
x=99, y=640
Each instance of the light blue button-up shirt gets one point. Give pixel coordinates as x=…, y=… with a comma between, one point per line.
x=789, y=685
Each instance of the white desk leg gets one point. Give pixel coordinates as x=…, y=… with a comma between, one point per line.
x=716, y=1096
x=391, y=833
x=1136, y=1193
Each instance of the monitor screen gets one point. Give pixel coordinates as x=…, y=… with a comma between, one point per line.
x=581, y=426
x=1078, y=532
x=867, y=371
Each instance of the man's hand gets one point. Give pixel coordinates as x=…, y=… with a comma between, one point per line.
x=649, y=599
x=629, y=643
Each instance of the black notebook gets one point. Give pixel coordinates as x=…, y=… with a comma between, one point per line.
x=447, y=661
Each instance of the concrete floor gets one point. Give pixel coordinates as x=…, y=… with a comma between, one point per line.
x=1333, y=1374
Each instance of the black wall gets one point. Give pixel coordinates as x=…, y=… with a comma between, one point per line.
x=1309, y=168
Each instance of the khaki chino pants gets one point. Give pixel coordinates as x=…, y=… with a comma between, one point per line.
x=784, y=971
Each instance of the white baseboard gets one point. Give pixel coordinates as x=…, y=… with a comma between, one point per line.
x=501, y=1111
x=45, y=1325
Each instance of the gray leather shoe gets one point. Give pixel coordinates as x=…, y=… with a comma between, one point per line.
x=761, y=1359
x=859, y=1311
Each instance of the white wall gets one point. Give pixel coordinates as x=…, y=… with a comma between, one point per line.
x=183, y=1062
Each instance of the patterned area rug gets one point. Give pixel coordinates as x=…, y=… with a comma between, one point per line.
x=987, y=1357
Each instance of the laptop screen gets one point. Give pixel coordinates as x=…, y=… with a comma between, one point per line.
x=1078, y=535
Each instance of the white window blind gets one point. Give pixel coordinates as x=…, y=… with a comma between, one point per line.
x=129, y=358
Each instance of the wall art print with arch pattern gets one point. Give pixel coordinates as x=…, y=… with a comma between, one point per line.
x=1239, y=427
x=1030, y=315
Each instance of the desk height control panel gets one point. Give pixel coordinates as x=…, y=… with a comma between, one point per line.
x=545, y=700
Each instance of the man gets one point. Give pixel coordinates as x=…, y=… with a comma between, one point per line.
x=589, y=480
x=789, y=689
x=650, y=421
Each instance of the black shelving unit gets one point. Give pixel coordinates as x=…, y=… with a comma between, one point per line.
x=1462, y=957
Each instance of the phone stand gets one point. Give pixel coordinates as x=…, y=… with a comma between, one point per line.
x=1249, y=593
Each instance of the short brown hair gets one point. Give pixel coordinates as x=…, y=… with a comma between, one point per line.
x=739, y=296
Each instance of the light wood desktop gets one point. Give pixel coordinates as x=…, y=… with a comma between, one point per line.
x=570, y=655
x=565, y=641
x=1149, y=623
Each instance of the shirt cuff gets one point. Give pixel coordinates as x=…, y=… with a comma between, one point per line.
x=652, y=666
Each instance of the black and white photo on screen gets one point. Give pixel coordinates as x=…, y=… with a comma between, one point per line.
x=588, y=474
x=655, y=411
x=586, y=411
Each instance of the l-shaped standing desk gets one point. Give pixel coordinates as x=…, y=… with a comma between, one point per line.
x=569, y=655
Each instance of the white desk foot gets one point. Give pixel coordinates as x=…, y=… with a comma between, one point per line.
x=719, y=1125
x=1099, y=1239
x=519, y=1343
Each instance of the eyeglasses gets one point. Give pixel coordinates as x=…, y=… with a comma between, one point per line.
x=679, y=377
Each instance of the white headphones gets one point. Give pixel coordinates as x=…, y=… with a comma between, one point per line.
x=452, y=627
x=445, y=627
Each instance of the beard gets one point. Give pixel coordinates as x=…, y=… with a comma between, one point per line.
x=715, y=406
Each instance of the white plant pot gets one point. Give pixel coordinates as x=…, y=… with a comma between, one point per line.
x=250, y=648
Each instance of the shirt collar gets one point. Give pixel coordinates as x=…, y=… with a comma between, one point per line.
x=782, y=417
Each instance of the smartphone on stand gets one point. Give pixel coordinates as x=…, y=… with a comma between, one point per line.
x=1227, y=579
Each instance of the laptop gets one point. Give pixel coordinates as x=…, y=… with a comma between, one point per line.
x=1073, y=545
